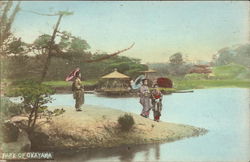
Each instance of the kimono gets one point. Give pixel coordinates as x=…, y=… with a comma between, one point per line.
x=157, y=103
x=78, y=93
x=145, y=100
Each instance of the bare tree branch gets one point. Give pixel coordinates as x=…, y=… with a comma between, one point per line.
x=65, y=13
x=110, y=55
x=12, y=17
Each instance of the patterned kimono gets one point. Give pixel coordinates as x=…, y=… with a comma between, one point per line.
x=145, y=100
x=157, y=103
x=78, y=93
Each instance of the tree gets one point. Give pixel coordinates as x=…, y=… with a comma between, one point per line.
x=177, y=66
x=51, y=43
x=6, y=21
x=239, y=55
x=35, y=93
x=176, y=58
x=34, y=97
x=225, y=57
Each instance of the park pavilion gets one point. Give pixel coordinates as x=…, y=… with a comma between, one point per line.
x=115, y=83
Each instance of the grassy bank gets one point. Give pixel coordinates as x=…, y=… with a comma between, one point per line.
x=179, y=84
x=67, y=84
x=198, y=84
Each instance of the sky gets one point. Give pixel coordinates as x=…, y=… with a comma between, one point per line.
x=159, y=29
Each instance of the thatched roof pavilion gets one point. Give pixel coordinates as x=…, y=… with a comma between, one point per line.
x=115, y=83
x=115, y=75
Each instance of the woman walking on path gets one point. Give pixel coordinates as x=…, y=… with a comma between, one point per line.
x=145, y=98
x=157, y=102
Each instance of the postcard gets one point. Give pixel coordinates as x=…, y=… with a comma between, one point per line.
x=125, y=81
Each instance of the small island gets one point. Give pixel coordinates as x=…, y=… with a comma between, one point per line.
x=98, y=127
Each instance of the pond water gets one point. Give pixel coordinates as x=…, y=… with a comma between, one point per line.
x=224, y=112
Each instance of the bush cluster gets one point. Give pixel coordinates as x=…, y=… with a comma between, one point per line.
x=126, y=122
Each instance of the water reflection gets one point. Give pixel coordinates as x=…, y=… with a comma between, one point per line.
x=126, y=153
x=224, y=112
x=157, y=152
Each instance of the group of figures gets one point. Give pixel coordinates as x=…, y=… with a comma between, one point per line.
x=150, y=100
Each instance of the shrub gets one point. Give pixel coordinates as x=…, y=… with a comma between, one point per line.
x=126, y=122
x=10, y=131
x=8, y=108
x=34, y=97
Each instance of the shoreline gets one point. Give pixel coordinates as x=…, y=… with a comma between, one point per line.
x=97, y=127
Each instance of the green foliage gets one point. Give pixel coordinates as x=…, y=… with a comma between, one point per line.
x=72, y=44
x=196, y=76
x=176, y=58
x=57, y=112
x=176, y=68
x=231, y=71
x=238, y=55
x=23, y=67
x=126, y=65
x=32, y=93
x=79, y=45
x=8, y=108
x=69, y=44
x=49, y=113
x=10, y=131
x=57, y=83
x=68, y=52
x=198, y=84
x=16, y=46
x=126, y=122
x=66, y=84
x=42, y=41
x=8, y=13
x=34, y=97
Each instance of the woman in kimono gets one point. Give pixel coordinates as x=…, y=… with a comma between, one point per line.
x=157, y=102
x=78, y=91
x=145, y=98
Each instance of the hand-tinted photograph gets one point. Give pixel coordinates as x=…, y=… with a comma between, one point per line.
x=125, y=81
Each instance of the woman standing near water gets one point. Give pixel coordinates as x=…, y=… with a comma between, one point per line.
x=78, y=91
x=157, y=102
x=145, y=98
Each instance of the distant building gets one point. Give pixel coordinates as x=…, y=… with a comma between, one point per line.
x=201, y=69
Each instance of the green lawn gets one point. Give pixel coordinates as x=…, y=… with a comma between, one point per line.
x=178, y=84
x=65, y=84
x=231, y=71
x=231, y=75
x=197, y=84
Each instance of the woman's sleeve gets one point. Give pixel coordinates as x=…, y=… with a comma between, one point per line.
x=78, y=84
x=141, y=90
